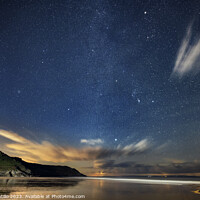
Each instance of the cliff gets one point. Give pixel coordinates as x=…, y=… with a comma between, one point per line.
x=16, y=167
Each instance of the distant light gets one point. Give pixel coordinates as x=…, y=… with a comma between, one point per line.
x=145, y=12
x=68, y=109
x=138, y=100
x=18, y=91
x=115, y=139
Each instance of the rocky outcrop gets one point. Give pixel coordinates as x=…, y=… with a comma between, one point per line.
x=17, y=173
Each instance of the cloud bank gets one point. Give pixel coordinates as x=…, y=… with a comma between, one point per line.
x=129, y=167
x=47, y=152
x=188, y=57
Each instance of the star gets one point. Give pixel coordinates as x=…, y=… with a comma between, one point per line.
x=145, y=12
x=115, y=139
x=138, y=100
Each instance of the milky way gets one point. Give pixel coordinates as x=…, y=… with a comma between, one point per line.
x=108, y=73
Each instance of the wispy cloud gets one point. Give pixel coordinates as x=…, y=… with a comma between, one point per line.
x=188, y=57
x=48, y=152
x=141, y=146
x=13, y=136
x=92, y=141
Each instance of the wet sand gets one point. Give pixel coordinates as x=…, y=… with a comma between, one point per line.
x=99, y=188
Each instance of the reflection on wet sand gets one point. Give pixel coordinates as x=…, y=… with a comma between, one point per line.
x=96, y=189
x=42, y=182
x=34, y=185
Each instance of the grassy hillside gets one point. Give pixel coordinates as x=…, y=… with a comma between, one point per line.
x=9, y=163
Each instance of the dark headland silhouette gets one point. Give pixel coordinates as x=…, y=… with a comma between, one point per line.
x=16, y=167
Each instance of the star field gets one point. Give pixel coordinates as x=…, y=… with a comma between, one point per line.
x=72, y=70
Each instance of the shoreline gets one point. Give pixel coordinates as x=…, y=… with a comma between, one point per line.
x=130, y=180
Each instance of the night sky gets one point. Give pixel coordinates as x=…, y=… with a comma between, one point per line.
x=108, y=87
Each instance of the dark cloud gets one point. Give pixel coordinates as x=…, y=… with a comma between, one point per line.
x=130, y=167
x=111, y=164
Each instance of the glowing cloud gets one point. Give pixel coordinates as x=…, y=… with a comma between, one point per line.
x=48, y=152
x=188, y=57
x=12, y=136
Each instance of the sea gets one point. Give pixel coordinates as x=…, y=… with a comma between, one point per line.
x=101, y=188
